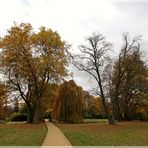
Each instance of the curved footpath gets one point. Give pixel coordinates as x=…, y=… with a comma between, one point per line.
x=55, y=137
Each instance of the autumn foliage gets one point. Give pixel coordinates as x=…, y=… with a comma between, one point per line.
x=29, y=61
x=33, y=65
x=68, y=106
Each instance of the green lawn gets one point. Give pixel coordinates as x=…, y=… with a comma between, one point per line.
x=102, y=134
x=22, y=134
x=94, y=120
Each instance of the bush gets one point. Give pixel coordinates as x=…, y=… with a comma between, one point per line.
x=22, y=117
x=18, y=117
x=13, y=115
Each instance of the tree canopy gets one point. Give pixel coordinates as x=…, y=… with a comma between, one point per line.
x=29, y=61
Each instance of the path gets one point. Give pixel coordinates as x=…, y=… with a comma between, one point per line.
x=55, y=137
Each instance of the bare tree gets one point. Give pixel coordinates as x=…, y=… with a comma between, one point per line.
x=93, y=57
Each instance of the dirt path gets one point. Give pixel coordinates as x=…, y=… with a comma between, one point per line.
x=55, y=137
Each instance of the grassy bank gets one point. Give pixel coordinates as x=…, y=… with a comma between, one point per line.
x=102, y=134
x=22, y=134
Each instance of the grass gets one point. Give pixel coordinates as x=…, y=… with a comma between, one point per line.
x=94, y=120
x=102, y=134
x=22, y=134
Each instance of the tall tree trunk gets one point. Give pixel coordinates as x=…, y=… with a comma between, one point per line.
x=37, y=112
x=126, y=109
x=126, y=116
x=110, y=117
x=110, y=114
x=116, y=101
x=113, y=111
x=30, y=115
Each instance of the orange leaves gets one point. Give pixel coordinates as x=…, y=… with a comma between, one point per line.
x=31, y=60
x=68, y=106
x=30, y=52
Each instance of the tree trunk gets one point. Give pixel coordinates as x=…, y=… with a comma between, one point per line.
x=30, y=115
x=113, y=112
x=37, y=113
x=116, y=102
x=110, y=117
x=118, y=114
x=126, y=112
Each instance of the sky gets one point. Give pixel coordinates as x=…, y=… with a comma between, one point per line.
x=76, y=19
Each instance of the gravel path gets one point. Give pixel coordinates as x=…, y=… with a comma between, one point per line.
x=55, y=137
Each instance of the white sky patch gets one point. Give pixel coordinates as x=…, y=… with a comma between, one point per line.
x=76, y=19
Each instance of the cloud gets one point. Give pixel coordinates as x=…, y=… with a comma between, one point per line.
x=75, y=19
x=26, y=2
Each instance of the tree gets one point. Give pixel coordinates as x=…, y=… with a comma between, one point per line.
x=92, y=106
x=29, y=61
x=125, y=65
x=92, y=60
x=95, y=108
x=68, y=106
x=133, y=85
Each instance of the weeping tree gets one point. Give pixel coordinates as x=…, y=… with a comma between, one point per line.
x=29, y=61
x=68, y=106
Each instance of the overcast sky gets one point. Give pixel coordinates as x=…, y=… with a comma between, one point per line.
x=76, y=19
